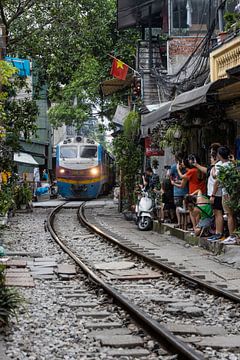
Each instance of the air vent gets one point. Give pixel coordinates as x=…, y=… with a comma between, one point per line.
x=89, y=141
x=78, y=139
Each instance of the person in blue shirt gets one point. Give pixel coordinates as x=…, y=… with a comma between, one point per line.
x=178, y=193
x=45, y=175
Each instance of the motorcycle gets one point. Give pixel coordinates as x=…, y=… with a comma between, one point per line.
x=144, y=211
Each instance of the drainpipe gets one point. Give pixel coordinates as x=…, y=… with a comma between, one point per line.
x=150, y=37
x=221, y=7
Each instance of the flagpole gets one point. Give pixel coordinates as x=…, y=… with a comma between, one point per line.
x=134, y=70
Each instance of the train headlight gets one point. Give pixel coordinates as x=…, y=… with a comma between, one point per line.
x=62, y=171
x=94, y=171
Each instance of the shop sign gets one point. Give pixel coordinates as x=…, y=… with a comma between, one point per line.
x=151, y=150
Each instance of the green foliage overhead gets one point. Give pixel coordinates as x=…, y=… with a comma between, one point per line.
x=70, y=41
x=17, y=117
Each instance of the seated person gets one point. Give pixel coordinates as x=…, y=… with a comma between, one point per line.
x=200, y=210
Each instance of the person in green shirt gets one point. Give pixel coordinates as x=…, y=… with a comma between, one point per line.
x=200, y=210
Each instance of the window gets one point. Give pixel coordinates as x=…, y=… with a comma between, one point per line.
x=192, y=16
x=68, y=152
x=88, y=152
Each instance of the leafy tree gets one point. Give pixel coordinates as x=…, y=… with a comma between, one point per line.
x=128, y=153
x=17, y=117
x=70, y=41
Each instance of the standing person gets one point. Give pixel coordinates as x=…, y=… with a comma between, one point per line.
x=178, y=193
x=194, y=177
x=45, y=175
x=224, y=155
x=167, y=198
x=215, y=196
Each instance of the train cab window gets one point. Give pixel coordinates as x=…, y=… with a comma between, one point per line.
x=68, y=152
x=88, y=151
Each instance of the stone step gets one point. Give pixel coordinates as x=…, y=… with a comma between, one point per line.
x=135, y=353
x=121, y=340
x=96, y=314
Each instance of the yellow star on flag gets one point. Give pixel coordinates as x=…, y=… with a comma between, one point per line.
x=120, y=64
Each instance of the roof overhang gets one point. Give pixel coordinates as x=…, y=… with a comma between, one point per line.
x=120, y=114
x=149, y=121
x=24, y=158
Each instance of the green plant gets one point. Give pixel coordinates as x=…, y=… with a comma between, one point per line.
x=6, y=200
x=175, y=137
x=128, y=153
x=22, y=194
x=229, y=177
x=231, y=18
x=10, y=300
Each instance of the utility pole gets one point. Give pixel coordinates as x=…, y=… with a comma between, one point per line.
x=2, y=41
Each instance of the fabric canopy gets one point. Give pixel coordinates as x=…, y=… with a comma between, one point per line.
x=120, y=114
x=24, y=158
x=191, y=98
x=150, y=120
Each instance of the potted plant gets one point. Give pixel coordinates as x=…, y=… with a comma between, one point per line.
x=23, y=195
x=6, y=202
x=10, y=300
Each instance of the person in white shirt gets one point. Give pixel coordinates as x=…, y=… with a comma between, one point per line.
x=224, y=155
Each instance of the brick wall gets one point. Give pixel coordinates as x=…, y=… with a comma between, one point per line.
x=179, y=49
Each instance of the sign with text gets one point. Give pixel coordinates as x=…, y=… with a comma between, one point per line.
x=151, y=150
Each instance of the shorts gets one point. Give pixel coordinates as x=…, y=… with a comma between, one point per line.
x=178, y=201
x=217, y=203
x=205, y=223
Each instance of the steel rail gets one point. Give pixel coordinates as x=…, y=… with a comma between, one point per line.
x=159, y=332
x=204, y=285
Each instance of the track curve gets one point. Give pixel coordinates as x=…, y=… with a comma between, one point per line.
x=159, y=332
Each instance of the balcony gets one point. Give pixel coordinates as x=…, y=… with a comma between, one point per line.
x=225, y=57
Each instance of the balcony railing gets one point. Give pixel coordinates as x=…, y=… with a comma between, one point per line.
x=225, y=57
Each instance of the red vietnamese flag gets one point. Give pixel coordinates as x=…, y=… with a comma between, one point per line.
x=119, y=69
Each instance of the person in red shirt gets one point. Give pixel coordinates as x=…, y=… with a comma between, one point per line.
x=195, y=179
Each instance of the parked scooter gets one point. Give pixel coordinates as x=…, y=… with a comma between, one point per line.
x=144, y=211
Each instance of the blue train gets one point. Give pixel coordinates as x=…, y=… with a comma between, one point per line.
x=84, y=169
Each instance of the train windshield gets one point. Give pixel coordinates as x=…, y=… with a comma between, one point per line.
x=68, y=152
x=88, y=151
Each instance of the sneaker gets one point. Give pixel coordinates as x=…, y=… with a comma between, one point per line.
x=231, y=240
x=215, y=237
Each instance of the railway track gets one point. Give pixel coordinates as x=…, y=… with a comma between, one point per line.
x=148, y=298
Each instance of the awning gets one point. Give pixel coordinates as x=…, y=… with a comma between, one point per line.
x=109, y=87
x=191, y=98
x=24, y=158
x=150, y=120
x=120, y=114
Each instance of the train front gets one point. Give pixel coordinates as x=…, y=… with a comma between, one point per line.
x=78, y=168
